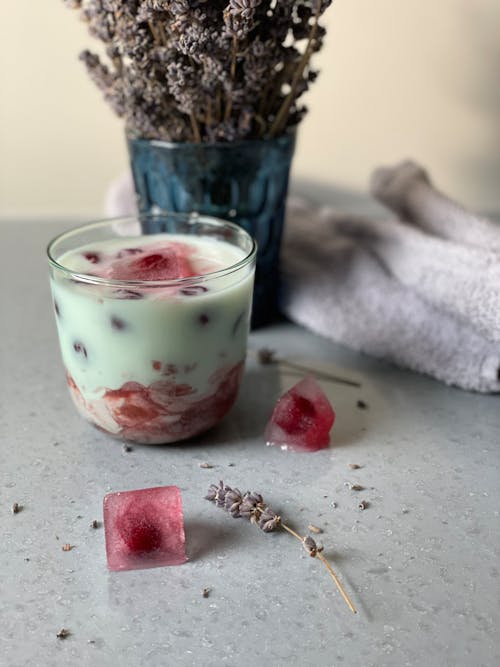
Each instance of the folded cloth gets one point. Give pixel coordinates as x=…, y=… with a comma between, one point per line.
x=461, y=280
x=407, y=190
x=409, y=292
x=120, y=199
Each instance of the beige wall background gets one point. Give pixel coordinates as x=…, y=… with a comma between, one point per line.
x=399, y=78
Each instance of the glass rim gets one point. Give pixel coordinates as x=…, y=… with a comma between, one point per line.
x=288, y=135
x=191, y=218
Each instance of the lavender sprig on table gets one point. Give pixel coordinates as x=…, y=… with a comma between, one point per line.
x=193, y=70
x=268, y=357
x=251, y=506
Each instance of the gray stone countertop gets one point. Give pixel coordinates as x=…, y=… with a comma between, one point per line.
x=421, y=562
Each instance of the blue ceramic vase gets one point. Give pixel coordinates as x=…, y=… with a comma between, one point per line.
x=242, y=181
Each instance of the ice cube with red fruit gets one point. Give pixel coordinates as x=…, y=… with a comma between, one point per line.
x=167, y=262
x=144, y=528
x=302, y=418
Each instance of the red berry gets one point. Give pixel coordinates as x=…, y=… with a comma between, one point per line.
x=117, y=323
x=236, y=324
x=127, y=294
x=92, y=257
x=193, y=290
x=129, y=251
x=139, y=532
x=80, y=348
x=298, y=416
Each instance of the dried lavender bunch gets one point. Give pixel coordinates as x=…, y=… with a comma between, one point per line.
x=251, y=506
x=199, y=70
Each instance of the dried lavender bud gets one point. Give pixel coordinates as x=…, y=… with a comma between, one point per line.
x=245, y=121
x=107, y=81
x=224, y=131
x=156, y=5
x=266, y=356
x=183, y=84
x=212, y=492
x=249, y=507
x=217, y=493
x=239, y=17
x=152, y=10
x=253, y=499
x=354, y=487
x=269, y=520
x=243, y=8
x=314, y=529
x=220, y=499
x=310, y=546
x=232, y=502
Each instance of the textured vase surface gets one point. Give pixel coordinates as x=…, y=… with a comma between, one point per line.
x=244, y=181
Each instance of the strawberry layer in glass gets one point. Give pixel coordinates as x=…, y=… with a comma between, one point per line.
x=153, y=332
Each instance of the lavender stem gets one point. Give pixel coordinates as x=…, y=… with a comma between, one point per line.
x=319, y=374
x=330, y=569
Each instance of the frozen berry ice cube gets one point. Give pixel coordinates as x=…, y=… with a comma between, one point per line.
x=144, y=528
x=302, y=418
x=160, y=263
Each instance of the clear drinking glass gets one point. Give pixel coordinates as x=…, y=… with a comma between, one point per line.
x=148, y=360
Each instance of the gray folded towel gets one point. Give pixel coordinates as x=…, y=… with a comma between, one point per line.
x=423, y=293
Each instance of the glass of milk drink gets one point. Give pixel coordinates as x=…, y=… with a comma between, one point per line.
x=153, y=314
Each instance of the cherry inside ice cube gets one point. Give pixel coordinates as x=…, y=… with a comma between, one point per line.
x=144, y=528
x=164, y=263
x=302, y=418
x=140, y=533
